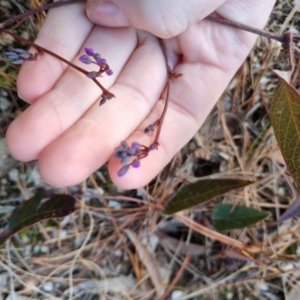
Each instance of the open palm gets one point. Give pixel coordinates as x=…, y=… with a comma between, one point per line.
x=71, y=136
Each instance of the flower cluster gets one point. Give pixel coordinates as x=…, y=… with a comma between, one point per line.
x=94, y=58
x=18, y=56
x=124, y=152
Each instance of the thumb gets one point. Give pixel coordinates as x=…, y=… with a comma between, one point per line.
x=163, y=18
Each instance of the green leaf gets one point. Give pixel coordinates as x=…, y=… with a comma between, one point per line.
x=285, y=118
x=43, y=205
x=201, y=191
x=227, y=217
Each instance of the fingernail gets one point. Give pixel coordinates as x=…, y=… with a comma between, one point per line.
x=106, y=10
x=105, y=7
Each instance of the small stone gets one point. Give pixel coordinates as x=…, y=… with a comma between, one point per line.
x=48, y=287
x=6, y=39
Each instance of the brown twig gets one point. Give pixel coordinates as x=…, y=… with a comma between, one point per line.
x=169, y=75
x=177, y=277
x=290, y=47
x=286, y=38
x=37, y=10
x=274, y=36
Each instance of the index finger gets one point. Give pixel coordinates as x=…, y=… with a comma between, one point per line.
x=58, y=34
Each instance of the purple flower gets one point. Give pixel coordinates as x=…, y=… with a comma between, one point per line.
x=101, y=61
x=135, y=151
x=92, y=74
x=96, y=56
x=91, y=58
x=124, y=144
x=153, y=147
x=20, y=51
x=136, y=163
x=17, y=56
x=17, y=61
x=149, y=128
x=85, y=59
x=130, y=152
x=124, y=152
x=89, y=51
x=125, y=159
x=109, y=72
x=12, y=55
x=123, y=170
x=135, y=145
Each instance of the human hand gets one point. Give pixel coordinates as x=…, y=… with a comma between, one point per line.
x=67, y=131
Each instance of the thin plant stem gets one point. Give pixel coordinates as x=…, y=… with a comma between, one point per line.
x=274, y=36
x=287, y=38
x=37, y=10
x=290, y=46
x=169, y=74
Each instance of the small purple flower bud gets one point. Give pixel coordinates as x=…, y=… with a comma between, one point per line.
x=105, y=96
x=96, y=56
x=118, y=154
x=17, y=56
x=124, y=145
x=89, y=51
x=149, y=128
x=20, y=51
x=17, y=61
x=135, y=145
x=153, y=147
x=85, y=59
x=92, y=74
x=132, y=151
x=24, y=55
x=124, y=154
x=11, y=55
x=102, y=101
x=125, y=159
x=136, y=163
x=109, y=72
x=101, y=61
x=123, y=170
x=119, y=149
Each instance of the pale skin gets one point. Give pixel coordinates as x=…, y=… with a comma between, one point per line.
x=66, y=130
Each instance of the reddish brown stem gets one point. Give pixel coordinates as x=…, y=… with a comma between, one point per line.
x=274, y=36
x=169, y=74
x=285, y=38
x=38, y=9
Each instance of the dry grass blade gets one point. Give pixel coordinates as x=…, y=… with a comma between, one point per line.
x=212, y=234
x=149, y=261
